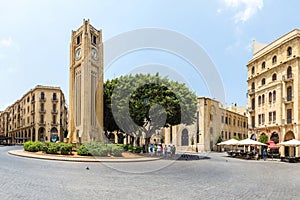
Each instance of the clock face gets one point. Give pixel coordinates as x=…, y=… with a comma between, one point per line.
x=78, y=54
x=94, y=54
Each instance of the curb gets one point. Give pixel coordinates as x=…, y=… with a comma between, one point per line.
x=21, y=153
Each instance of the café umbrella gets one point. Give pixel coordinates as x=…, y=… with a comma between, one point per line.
x=230, y=142
x=249, y=141
x=290, y=143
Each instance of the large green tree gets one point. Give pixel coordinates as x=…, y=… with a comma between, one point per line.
x=142, y=104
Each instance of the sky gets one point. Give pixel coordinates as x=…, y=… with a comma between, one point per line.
x=35, y=38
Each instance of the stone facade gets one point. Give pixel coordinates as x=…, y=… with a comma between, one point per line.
x=40, y=115
x=273, y=90
x=86, y=85
x=212, y=121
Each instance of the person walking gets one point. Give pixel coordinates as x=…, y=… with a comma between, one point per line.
x=264, y=154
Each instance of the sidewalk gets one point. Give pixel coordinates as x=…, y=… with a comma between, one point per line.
x=26, y=154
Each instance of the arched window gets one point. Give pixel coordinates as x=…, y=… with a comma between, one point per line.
x=253, y=86
x=274, y=95
x=54, y=97
x=259, y=100
x=289, y=72
x=263, y=65
x=289, y=51
x=42, y=95
x=252, y=70
x=274, y=59
x=263, y=99
x=263, y=81
x=270, y=97
x=274, y=77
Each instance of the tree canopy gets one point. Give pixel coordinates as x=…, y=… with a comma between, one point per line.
x=146, y=103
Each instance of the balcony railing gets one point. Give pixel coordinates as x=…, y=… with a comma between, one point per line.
x=54, y=111
x=54, y=99
x=287, y=77
x=42, y=99
x=251, y=91
x=288, y=99
x=42, y=123
x=42, y=111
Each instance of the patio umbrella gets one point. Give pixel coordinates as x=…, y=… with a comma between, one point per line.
x=249, y=141
x=290, y=143
x=229, y=142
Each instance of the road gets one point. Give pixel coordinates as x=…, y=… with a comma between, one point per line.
x=219, y=177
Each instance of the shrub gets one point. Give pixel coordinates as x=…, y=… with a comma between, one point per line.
x=117, y=151
x=33, y=147
x=53, y=148
x=137, y=149
x=65, y=148
x=82, y=150
x=27, y=145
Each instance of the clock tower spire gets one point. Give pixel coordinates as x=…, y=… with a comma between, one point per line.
x=86, y=85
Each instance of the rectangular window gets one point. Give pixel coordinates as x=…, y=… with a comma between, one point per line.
x=263, y=118
x=259, y=119
x=253, y=121
x=274, y=116
x=222, y=119
x=226, y=120
x=270, y=117
x=289, y=116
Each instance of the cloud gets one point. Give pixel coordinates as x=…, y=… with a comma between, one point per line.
x=244, y=9
x=6, y=42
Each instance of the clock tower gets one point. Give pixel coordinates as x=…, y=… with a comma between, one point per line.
x=86, y=85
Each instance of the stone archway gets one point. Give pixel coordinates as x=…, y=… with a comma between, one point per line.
x=41, y=134
x=33, y=134
x=54, y=135
x=289, y=136
x=275, y=137
x=184, y=137
x=253, y=137
x=289, y=151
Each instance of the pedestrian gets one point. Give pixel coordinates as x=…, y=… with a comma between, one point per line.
x=168, y=151
x=151, y=149
x=173, y=150
x=158, y=150
x=265, y=153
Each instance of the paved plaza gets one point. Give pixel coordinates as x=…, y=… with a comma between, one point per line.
x=219, y=177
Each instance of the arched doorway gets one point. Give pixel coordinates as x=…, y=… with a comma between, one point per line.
x=289, y=151
x=33, y=134
x=184, y=137
x=253, y=137
x=275, y=137
x=54, y=135
x=41, y=133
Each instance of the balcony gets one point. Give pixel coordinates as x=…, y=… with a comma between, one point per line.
x=32, y=112
x=54, y=124
x=54, y=99
x=251, y=91
x=42, y=99
x=42, y=111
x=251, y=109
x=42, y=123
x=287, y=77
x=288, y=99
x=54, y=111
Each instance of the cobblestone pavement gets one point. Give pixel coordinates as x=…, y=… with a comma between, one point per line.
x=216, y=178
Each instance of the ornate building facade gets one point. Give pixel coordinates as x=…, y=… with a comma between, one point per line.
x=273, y=90
x=40, y=115
x=212, y=122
